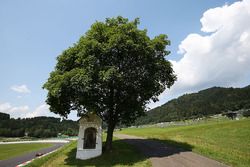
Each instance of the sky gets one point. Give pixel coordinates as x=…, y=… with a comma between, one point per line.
x=210, y=43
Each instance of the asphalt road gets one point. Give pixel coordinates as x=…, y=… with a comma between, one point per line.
x=13, y=162
x=162, y=155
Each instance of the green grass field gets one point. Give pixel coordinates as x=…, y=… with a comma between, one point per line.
x=123, y=155
x=226, y=141
x=12, y=150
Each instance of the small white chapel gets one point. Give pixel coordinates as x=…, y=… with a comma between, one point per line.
x=90, y=137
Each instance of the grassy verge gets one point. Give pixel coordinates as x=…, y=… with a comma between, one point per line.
x=225, y=141
x=13, y=150
x=121, y=156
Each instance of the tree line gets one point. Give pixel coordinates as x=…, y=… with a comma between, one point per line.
x=215, y=100
x=40, y=127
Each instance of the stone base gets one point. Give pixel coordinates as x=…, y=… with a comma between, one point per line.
x=88, y=153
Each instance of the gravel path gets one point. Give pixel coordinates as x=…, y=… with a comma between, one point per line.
x=23, y=158
x=162, y=155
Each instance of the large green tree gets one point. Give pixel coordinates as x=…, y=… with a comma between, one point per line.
x=114, y=70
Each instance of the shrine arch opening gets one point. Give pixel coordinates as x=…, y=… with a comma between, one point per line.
x=90, y=138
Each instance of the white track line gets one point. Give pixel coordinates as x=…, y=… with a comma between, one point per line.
x=27, y=162
x=36, y=141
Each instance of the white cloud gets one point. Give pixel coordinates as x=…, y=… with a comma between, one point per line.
x=219, y=58
x=14, y=111
x=4, y=107
x=19, y=109
x=25, y=111
x=20, y=88
x=41, y=110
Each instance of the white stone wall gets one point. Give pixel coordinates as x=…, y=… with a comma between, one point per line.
x=89, y=153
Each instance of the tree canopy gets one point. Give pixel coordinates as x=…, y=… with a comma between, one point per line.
x=114, y=70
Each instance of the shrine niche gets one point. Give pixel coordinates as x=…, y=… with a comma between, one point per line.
x=89, y=137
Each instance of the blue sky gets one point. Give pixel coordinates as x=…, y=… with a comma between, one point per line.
x=34, y=33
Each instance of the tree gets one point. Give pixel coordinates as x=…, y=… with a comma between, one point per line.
x=114, y=70
x=4, y=116
x=246, y=113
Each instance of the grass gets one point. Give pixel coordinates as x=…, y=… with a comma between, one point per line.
x=122, y=155
x=226, y=141
x=12, y=150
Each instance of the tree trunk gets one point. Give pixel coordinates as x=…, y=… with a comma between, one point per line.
x=109, y=138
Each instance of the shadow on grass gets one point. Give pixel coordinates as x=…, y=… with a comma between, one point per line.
x=158, y=148
x=122, y=154
x=128, y=152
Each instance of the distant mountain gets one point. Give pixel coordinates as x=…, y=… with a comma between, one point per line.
x=206, y=102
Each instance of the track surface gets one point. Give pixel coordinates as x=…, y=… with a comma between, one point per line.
x=162, y=155
x=23, y=158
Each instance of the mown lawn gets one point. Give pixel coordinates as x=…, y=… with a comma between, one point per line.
x=12, y=150
x=226, y=141
x=122, y=155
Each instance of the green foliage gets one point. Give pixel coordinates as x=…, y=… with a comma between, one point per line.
x=114, y=70
x=205, y=103
x=246, y=113
x=226, y=141
x=4, y=116
x=40, y=127
x=12, y=150
x=113, y=66
x=7, y=132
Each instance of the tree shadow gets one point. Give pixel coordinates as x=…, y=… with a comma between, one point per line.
x=130, y=151
x=158, y=148
x=122, y=154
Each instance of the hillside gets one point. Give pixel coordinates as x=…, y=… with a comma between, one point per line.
x=206, y=102
x=36, y=127
x=226, y=140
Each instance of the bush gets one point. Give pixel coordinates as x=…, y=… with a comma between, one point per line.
x=246, y=113
x=6, y=132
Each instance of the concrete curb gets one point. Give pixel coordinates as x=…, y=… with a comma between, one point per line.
x=27, y=162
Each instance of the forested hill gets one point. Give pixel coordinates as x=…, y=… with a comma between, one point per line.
x=207, y=102
x=36, y=127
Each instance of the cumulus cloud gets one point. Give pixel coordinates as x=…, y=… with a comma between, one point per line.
x=14, y=111
x=25, y=111
x=41, y=110
x=219, y=58
x=4, y=107
x=20, y=88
